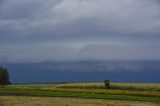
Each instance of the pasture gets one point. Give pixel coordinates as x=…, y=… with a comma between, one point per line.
x=57, y=101
x=82, y=94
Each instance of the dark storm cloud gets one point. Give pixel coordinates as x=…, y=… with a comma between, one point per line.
x=69, y=26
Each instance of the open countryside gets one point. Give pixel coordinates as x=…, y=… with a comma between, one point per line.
x=95, y=94
x=79, y=52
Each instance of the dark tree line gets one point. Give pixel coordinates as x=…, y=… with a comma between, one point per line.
x=4, y=76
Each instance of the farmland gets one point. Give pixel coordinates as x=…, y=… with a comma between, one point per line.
x=56, y=101
x=78, y=94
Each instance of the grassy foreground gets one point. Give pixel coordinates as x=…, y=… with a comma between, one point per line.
x=119, y=91
x=56, y=101
x=59, y=93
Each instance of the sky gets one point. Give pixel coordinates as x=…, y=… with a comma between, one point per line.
x=60, y=30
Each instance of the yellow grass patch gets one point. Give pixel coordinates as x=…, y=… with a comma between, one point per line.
x=57, y=101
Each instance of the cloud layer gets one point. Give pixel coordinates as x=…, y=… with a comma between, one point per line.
x=79, y=29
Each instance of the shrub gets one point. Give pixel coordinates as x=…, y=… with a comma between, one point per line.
x=107, y=84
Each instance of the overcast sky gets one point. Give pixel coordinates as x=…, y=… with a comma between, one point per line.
x=50, y=30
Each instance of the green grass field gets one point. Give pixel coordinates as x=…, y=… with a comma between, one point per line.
x=128, y=92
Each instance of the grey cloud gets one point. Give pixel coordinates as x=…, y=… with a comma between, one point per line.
x=1, y=1
x=120, y=52
x=22, y=9
x=80, y=23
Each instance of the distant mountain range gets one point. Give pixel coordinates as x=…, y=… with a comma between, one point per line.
x=84, y=71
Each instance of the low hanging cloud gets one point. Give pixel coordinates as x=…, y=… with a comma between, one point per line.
x=79, y=29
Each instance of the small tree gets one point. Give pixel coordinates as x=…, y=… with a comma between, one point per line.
x=4, y=76
x=107, y=83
